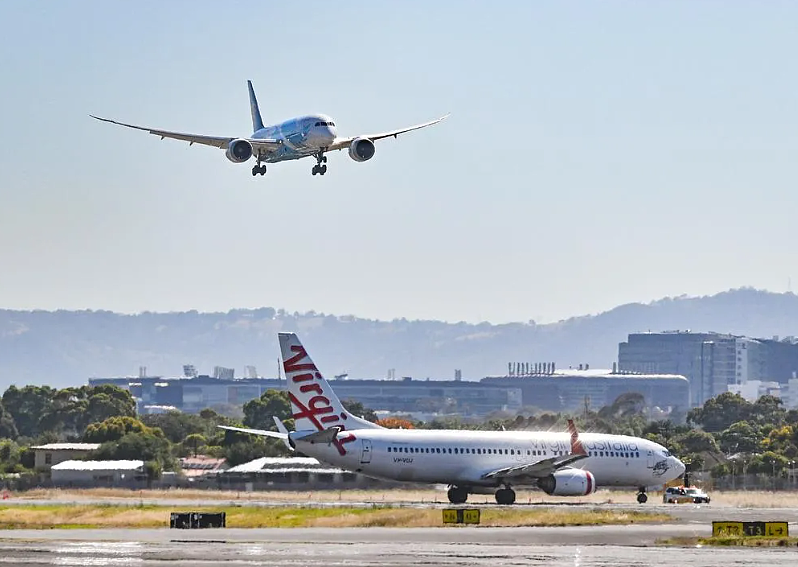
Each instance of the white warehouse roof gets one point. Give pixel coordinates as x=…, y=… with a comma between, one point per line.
x=275, y=463
x=98, y=466
x=68, y=447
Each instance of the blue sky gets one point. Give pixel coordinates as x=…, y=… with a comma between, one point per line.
x=597, y=154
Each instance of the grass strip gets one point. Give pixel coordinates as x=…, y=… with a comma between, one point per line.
x=730, y=541
x=145, y=516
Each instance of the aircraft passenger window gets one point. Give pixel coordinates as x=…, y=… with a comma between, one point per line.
x=512, y=451
x=637, y=455
x=437, y=450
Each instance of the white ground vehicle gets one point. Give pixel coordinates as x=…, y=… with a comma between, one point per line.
x=678, y=494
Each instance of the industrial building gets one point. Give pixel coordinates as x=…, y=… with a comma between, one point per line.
x=543, y=387
x=193, y=394
x=45, y=456
x=712, y=362
x=293, y=473
x=85, y=474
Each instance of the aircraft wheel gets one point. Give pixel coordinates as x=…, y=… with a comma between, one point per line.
x=457, y=495
x=315, y=169
x=323, y=169
x=324, y=159
x=255, y=171
x=505, y=496
x=642, y=498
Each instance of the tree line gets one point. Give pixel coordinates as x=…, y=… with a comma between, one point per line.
x=727, y=435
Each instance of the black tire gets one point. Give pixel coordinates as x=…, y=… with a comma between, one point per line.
x=505, y=496
x=642, y=498
x=457, y=495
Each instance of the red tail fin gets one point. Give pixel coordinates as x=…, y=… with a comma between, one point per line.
x=576, y=445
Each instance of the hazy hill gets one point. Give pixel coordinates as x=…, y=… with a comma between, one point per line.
x=66, y=347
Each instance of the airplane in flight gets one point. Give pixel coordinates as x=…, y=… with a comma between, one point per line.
x=561, y=464
x=312, y=135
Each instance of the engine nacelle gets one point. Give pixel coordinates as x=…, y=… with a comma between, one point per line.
x=239, y=151
x=361, y=149
x=568, y=482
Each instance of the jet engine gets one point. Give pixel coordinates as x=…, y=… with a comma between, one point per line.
x=568, y=482
x=239, y=151
x=361, y=149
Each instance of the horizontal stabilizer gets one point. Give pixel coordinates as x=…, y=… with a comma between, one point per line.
x=323, y=436
x=262, y=432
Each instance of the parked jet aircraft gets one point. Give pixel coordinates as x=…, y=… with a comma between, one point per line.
x=312, y=135
x=562, y=464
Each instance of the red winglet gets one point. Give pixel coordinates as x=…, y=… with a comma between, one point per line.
x=576, y=445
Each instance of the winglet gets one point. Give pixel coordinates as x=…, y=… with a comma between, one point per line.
x=257, y=121
x=577, y=448
x=282, y=429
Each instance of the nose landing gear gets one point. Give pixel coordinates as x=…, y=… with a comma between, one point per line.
x=319, y=168
x=642, y=497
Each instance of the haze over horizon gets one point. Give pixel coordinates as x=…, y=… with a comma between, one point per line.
x=618, y=153
x=359, y=316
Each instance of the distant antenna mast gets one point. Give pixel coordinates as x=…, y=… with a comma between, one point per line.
x=279, y=371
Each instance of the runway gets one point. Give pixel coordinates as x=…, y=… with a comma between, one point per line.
x=634, y=545
x=577, y=547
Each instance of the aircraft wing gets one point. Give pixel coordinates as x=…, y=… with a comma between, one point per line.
x=262, y=432
x=538, y=469
x=545, y=467
x=264, y=144
x=341, y=143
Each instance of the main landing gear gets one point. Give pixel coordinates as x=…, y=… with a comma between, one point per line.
x=642, y=498
x=319, y=168
x=258, y=168
x=457, y=495
x=505, y=496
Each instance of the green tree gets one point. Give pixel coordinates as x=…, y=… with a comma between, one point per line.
x=8, y=429
x=740, y=437
x=359, y=410
x=137, y=446
x=27, y=406
x=73, y=409
x=115, y=428
x=769, y=410
x=259, y=413
x=177, y=425
x=720, y=412
x=10, y=456
x=194, y=444
x=625, y=405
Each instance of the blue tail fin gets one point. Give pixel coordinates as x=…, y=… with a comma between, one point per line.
x=257, y=121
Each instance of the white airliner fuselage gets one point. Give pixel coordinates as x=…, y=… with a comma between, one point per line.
x=565, y=464
x=460, y=457
x=312, y=135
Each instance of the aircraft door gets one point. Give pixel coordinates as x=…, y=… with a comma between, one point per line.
x=365, y=453
x=650, y=459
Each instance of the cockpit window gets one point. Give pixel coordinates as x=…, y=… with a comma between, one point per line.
x=666, y=453
x=324, y=124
